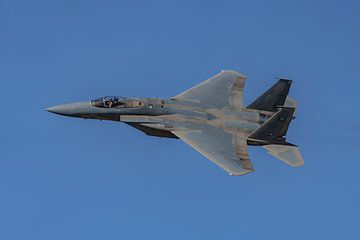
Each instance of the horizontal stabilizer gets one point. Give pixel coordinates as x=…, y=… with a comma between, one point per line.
x=288, y=154
x=273, y=97
x=289, y=102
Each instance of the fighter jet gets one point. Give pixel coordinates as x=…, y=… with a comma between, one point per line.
x=211, y=117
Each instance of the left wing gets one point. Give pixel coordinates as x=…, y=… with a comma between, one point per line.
x=222, y=90
x=224, y=149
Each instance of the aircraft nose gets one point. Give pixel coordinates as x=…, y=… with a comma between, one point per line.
x=70, y=109
x=58, y=109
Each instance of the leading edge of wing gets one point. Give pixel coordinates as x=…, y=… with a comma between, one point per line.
x=227, y=151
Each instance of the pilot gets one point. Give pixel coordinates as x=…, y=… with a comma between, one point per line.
x=111, y=104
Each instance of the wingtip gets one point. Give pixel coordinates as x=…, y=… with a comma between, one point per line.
x=233, y=72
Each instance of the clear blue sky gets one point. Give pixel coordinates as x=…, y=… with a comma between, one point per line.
x=63, y=178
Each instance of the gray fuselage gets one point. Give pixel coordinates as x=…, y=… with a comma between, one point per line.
x=158, y=117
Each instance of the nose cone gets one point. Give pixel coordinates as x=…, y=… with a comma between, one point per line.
x=71, y=109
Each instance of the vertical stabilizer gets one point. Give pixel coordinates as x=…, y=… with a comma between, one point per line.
x=273, y=97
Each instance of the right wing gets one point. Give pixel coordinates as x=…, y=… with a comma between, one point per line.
x=224, y=149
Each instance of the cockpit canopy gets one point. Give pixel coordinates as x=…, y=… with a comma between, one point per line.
x=118, y=102
x=108, y=102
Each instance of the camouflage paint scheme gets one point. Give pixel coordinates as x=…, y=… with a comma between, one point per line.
x=210, y=117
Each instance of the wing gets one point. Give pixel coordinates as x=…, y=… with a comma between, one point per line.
x=222, y=90
x=224, y=149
